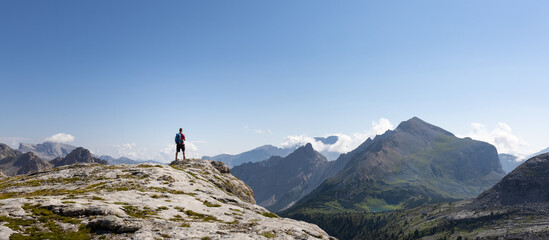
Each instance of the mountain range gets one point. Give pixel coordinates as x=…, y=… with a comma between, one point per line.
x=417, y=163
x=254, y=155
x=13, y=162
x=47, y=150
x=279, y=182
x=267, y=151
x=515, y=208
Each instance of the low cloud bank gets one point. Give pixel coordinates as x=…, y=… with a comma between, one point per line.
x=345, y=143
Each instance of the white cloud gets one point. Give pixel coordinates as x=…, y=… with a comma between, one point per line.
x=345, y=143
x=130, y=150
x=167, y=153
x=502, y=138
x=13, y=142
x=60, y=138
x=256, y=130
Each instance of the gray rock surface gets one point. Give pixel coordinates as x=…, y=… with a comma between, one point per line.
x=187, y=200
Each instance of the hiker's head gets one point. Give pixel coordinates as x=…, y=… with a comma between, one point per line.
x=180, y=129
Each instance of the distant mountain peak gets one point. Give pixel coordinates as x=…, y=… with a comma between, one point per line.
x=78, y=155
x=327, y=140
x=415, y=125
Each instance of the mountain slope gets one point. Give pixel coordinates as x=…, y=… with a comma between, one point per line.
x=415, y=164
x=515, y=208
x=279, y=182
x=47, y=150
x=14, y=163
x=188, y=200
x=254, y=155
x=78, y=155
x=528, y=183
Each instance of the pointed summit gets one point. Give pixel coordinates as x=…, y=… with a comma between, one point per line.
x=279, y=182
x=417, y=126
x=78, y=155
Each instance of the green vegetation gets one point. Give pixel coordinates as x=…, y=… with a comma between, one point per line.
x=148, y=166
x=185, y=225
x=46, y=227
x=140, y=213
x=268, y=235
x=203, y=217
x=161, y=208
x=270, y=215
x=208, y=204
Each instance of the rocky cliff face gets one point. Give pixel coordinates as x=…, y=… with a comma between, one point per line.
x=197, y=199
x=78, y=155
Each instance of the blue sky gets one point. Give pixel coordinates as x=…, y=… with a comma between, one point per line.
x=121, y=77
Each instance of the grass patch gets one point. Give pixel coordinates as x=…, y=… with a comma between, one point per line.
x=203, y=217
x=268, y=235
x=49, y=222
x=270, y=215
x=162, y=208
x=148, y=166
x=208, y=204
x=139, y=213
x=97, y=198
x=185, y=225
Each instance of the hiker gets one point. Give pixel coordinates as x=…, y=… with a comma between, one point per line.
x=180, y=142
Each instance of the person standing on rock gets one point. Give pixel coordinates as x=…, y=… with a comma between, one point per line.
x=180, y=142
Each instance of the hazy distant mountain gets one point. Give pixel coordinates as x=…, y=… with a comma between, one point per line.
x=47, y=150
x=14, y=163
x=538, y=153
x=508, y=162
x=415, y=164
x=125, y=160
x=327, y=140
x=254, y=155
x=78, y=155
x=279, y=182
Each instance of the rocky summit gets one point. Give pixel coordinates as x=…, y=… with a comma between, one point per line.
x=194, y=199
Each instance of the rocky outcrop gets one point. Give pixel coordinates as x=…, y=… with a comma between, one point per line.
x=78, y=155
x=187, y=200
